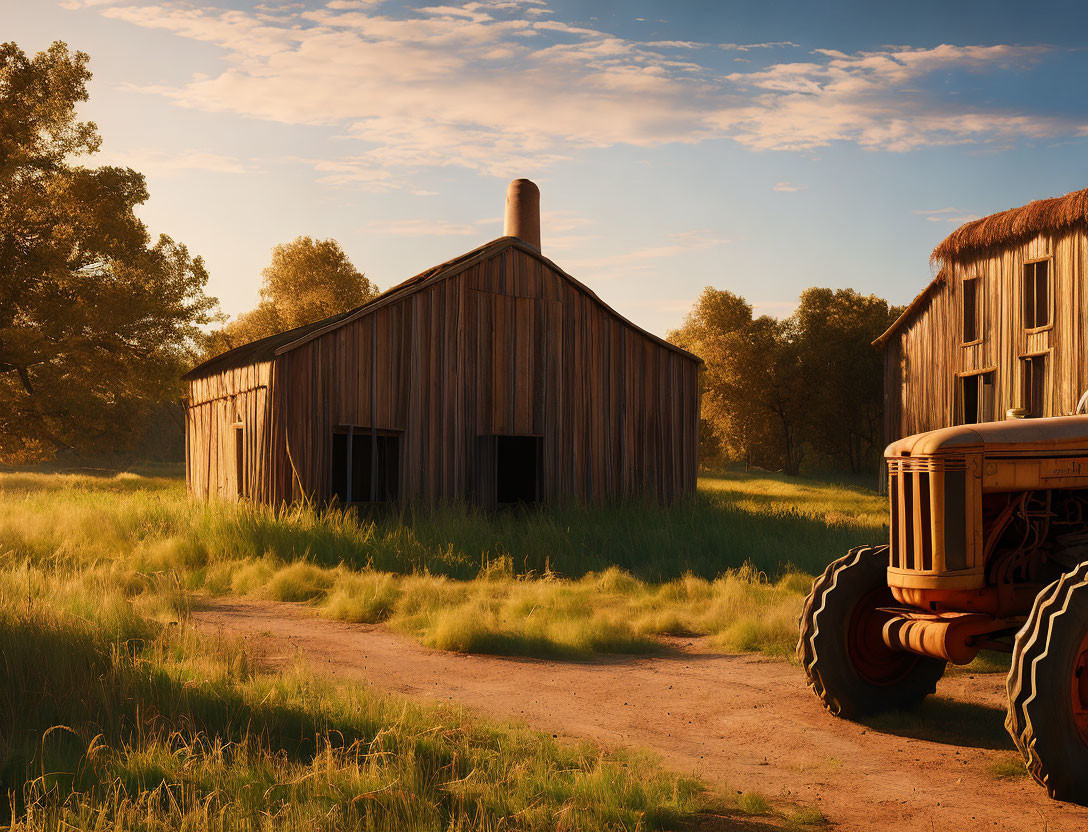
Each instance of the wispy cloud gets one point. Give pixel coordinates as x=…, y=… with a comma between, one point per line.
x=158, y=163
x=788, y=187
x=502, y=88
x=859, y=98
x=565, y=220
x=747, y=47
x=956, y=216
x=422, y=228
x=677, y=243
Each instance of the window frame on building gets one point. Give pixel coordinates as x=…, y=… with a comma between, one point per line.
x=1035, y=398
x=378, y=450
x=971, y=318
x=1029, y=293
x=984, y=396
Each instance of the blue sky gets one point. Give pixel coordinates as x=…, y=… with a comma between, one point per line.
x=761, y=147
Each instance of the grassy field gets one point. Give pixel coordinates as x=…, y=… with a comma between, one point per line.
x=732, y=563
x=115, y=713
x=111, y=718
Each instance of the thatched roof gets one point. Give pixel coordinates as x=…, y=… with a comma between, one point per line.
x=1017, y=225
x=1006, y=228
x=268, y=348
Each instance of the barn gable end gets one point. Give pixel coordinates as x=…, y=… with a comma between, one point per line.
x=497, y=343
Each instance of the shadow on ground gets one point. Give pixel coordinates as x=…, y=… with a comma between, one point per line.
x=938, y=719
x=740, y=822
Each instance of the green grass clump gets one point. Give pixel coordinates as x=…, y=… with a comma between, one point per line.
x=1010, y=767
x=753, y=803
x=806, y=817
x=608, y=612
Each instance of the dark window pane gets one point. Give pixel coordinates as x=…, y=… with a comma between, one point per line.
x=969, y=386
x=240, y=461
x=374, y=466
x=360, y=467
x=1042, y=294
x=970, y=310
x=340, y=466
x=1038, y=385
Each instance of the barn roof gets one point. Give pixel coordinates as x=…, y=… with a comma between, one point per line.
x=1043, y=216
x=268, y=348
x=1017, y=225
x=913, y=307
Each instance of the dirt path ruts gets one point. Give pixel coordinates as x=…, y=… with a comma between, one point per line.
x=739, y=722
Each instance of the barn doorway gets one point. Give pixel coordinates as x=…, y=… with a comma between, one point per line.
x=508, y=470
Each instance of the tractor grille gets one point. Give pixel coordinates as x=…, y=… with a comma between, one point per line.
x=916, y=522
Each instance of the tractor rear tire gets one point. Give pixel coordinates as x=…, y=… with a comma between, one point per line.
x=1048, y=688
x=841, y=646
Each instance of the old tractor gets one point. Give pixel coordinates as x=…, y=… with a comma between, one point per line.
x=988, y=551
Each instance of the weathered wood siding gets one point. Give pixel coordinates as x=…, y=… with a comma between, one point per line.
x=217, y=404
x=506, y=346
x=924, y=357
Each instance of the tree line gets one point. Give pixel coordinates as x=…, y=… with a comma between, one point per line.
x=98, y=320
x=783, y=394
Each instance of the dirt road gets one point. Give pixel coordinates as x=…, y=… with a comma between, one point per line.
x=739, y=722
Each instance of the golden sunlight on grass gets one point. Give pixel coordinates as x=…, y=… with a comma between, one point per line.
x=732, y=564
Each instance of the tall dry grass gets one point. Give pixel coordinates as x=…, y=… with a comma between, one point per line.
x=731, y=563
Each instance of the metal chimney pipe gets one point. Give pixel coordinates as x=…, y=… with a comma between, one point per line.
x=523, y=212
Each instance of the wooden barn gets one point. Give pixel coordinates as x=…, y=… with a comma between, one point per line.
x=495, y=378
x=1002, y=330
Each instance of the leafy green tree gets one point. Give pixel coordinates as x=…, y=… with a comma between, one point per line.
x=843, y=373
x=751, y=407
x=307, y=280
x=96, y=319
x=776, y=393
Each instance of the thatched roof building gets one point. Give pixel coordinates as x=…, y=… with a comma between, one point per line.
x=1000, y=330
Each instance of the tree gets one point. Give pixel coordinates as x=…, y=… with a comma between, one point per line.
x=843, y=372
x=778, y=392
x=96, y=320
x=753, y=402
x=713, y=330
x=308, y=280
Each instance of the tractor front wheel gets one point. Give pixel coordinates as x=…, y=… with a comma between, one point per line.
x=841, y=646
x=1048, y=688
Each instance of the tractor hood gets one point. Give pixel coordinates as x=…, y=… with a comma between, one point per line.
x=1048, y=436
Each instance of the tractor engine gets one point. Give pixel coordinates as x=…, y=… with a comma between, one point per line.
x=981, y=517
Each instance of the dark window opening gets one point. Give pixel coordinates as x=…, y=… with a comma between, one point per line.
x=1037, y=294
x=508, y=470
x=240, y=460
x=970, y=310
x=977, y=398
x=1033, y=371
x=516, y=470
x=365, y=466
